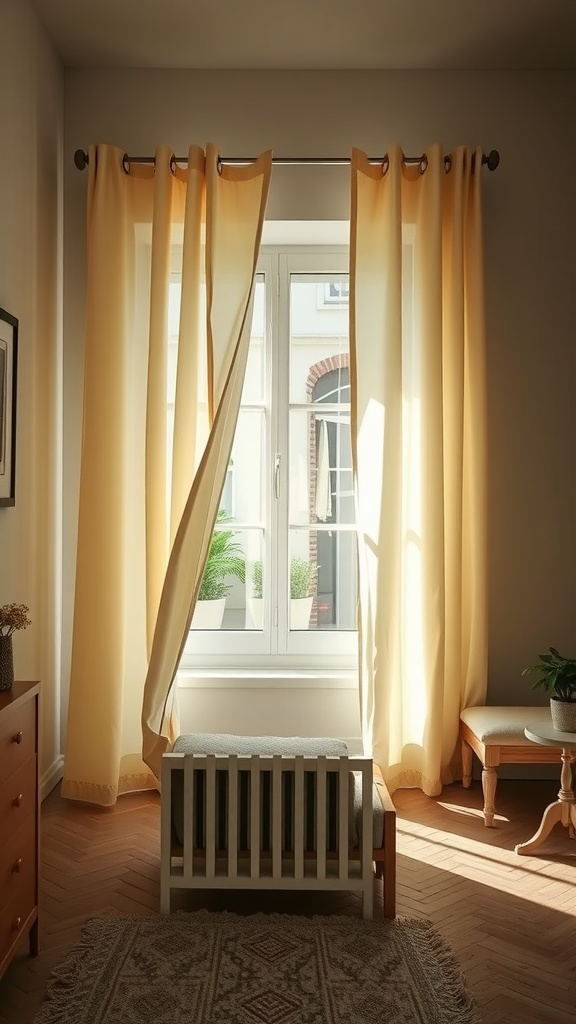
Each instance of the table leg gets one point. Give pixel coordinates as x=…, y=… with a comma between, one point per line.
x=552, y=815
x=569, y=819
x=466, y=764
x=489, y=780
x=563, y=810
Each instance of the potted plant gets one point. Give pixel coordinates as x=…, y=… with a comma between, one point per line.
x=557, y=676
x=303, y=579
x=224, y=563
x=12, y=617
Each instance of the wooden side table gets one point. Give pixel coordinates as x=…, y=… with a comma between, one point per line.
x=563, y=810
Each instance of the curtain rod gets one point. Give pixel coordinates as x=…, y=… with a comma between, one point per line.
x=491, y=159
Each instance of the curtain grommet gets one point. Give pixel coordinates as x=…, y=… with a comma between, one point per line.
x=173, y=164
x=126, y=164
x=385, y=164
x=219, y=164
x=423, y=164
x=447, y=164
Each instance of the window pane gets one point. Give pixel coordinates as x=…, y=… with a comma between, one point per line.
x=254, y=389
x=323, y=579
x=228, y=597
x=247, y=467
x=320, y=467
x=320, y=456
x=318, y=331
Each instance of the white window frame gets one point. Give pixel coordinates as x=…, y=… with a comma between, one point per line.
x=278, y=652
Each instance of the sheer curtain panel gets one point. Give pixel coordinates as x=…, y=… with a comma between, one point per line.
x=162, y=385
x=419, y=443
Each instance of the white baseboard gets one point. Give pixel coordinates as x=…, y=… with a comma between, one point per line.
x=51, y=777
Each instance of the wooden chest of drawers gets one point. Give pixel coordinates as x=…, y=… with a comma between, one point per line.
x=19, y=815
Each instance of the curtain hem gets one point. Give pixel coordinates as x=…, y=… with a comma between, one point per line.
x=107, y=796
x=397, y=778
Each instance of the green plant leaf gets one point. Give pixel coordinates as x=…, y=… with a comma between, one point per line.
x=225, y=561
x=557, y=675
x=303, y=577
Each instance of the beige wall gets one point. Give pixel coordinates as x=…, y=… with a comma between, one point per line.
x=31, y=116
x=531, y=310
x=530, y=212
x=530, y=218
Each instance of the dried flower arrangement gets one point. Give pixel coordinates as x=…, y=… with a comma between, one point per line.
x=13, y=617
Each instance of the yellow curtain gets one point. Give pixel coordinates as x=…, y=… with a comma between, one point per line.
x=158, y=421
x=419, y=451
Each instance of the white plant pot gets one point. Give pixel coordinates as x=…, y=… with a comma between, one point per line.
x=563, y=715
x=208, y=614
x=300, y=608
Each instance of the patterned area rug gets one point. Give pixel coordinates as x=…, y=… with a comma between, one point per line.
x=220, y=968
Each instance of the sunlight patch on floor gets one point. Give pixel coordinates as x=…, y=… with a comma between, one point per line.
x=470, y=812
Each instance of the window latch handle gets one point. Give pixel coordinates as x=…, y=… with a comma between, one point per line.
x=277, y=458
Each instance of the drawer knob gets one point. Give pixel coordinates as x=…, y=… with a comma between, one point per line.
x=16, y=924
x=18, y=737
x=17, y=801
x=17, y=865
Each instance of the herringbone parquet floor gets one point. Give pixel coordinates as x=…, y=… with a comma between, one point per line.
x=510, y=920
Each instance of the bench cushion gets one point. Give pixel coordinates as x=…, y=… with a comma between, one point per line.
x=502, y=725
x=245, y=746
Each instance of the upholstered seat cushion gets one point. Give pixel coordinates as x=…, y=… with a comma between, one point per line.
x=245, y=746
x=502, y=725
x=222, y=744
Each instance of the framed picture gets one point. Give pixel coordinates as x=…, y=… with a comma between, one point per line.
x=8, y=367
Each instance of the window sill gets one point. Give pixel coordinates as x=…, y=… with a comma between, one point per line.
x=258, y=679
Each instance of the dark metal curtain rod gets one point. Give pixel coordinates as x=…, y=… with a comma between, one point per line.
x=491, y=159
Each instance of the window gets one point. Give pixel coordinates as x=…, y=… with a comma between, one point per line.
x=288, y=499
x=333, y=293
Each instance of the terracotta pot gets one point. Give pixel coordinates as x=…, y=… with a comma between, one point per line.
x=563, y=714
x=6, y=663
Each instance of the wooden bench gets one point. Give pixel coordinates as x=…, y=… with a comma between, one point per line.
x=273, y=812
x=496, y=736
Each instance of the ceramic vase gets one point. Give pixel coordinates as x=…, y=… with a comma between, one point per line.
x=563, y=715
x=6, y=663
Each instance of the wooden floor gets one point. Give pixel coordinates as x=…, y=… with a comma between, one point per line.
x=511, y=920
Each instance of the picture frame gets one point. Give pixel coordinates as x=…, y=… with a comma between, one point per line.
x=8, y=379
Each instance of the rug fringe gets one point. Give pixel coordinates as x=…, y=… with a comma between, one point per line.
x=465, y=1009
x=63, y=979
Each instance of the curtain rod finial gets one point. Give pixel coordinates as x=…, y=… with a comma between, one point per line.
x=492, y=160
x=80, y=159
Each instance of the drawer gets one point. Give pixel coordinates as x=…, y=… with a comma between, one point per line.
x=17, y=858
x=17, y=797
x=15, y=915
x=17, y=737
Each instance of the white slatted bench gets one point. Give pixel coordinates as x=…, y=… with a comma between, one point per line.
x=294, y=814
x=496, y=736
